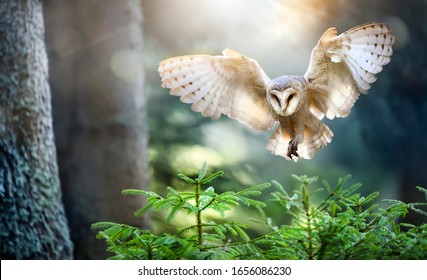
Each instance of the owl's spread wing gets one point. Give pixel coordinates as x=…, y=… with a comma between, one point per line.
x=232, y=84
x=341, y=67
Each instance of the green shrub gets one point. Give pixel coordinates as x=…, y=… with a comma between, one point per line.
x=342, y=225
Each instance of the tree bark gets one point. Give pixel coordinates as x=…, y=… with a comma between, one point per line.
x=95, y=49
x=32, y=219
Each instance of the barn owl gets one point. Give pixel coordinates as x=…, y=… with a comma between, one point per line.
x=341, y=67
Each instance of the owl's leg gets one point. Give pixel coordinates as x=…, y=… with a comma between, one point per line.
x=296, y=127
x=293, y=145
x=285, y=140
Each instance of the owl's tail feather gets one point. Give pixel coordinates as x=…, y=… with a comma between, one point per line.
x=316, y=136
x=366, y=49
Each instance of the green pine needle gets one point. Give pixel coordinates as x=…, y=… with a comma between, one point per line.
x=335, y=223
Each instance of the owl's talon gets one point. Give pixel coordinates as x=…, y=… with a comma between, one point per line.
x=292, y=148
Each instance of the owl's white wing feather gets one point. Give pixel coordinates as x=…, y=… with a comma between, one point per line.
x=341, y=67
x=232, y=84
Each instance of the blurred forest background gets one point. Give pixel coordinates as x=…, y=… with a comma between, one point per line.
x=381, y=144
x=116, y=128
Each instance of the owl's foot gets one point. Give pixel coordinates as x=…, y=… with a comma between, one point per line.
x=292, y=148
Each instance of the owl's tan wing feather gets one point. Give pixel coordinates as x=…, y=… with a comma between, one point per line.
x=341, y=67
x=232, y=84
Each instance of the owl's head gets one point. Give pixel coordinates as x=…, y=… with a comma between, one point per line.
x=286, y=94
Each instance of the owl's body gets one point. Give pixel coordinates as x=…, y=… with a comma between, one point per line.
x=341, y=67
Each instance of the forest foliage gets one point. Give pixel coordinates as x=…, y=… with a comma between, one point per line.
x=328, y=222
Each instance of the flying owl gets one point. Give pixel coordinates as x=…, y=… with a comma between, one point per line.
x=341, y=67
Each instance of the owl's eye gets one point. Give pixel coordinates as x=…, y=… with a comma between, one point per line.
x=275, y=99
x=290, y=98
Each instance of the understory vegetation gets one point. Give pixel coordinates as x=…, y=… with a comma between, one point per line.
x=328, y=222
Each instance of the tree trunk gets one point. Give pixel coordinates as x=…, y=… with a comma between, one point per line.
x=95, y=49
x=32, y=219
